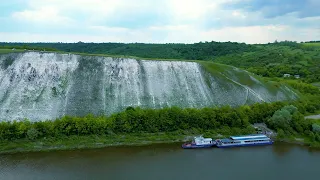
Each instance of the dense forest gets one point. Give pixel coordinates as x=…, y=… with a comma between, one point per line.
x=277, y=59
x=200, y=51
x=268, y=60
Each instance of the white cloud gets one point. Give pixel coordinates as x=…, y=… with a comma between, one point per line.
x=238, y=14
x=180, y=21
x=46, y=14
x=171, y=28
x=177, y=11
x=108, y=29
x=250, y=34
x=93, y=10
x=189, y=9
x=171, y=34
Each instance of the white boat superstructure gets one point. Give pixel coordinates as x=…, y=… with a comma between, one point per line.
x=202, y=141
x=249, y=140
x=199, y=142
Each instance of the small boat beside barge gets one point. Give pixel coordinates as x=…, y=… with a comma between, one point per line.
x=248, y=140
x=199, y=142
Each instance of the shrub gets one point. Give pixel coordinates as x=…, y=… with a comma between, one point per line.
x=32, y=134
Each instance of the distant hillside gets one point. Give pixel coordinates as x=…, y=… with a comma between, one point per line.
x=275, y=60
x=202, y=51
x=269, y=60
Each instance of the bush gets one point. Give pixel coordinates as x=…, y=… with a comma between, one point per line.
x=280, y=133
x=32, y=134
x=317, y=138
x=315, y=128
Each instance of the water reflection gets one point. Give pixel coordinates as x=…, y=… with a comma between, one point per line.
x=282, y=149
x=164, y=161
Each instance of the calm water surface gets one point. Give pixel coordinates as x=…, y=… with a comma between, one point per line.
x=165, y=162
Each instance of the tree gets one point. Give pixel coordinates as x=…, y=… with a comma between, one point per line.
x=282, y=118
x=291, y=109
x=281, y=133
x=315, y=128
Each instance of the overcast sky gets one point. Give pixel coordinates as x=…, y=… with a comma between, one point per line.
x=159, y=21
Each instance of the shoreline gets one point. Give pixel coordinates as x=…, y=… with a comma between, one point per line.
x=299, y=141
x=103, y=141
x=90, y=142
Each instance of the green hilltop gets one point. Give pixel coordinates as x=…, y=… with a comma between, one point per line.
x=267, y=60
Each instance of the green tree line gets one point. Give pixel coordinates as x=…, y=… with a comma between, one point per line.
x=27, y=47
x=197, y=51
x=135, y=120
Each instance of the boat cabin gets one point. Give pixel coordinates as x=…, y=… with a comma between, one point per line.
x=249, y=137
x=202, y=141
x=245, y=139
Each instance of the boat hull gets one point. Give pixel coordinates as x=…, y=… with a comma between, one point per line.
x=194, y=146
x=243, y=145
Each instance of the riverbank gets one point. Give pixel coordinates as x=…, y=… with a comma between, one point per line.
x=300, y=140
x=94, y=141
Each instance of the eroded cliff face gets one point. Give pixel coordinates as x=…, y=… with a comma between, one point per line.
x=41, y=86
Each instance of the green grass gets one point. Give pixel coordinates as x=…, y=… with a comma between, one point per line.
x=129, y=57
x=6, y=51
x=137, y=139
x=84, y=142
x=317, y=84
x=299, y=139
x=217, y=71
x=99, y=141
x=242, y=77
x=317, y=121
x=312, y=44
x=315, y=46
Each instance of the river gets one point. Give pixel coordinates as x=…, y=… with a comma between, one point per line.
x=165, y=162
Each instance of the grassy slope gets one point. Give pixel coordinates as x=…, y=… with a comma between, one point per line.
x=312, y=44
x=6, y=51
x=317, y=84
x=99, y=141
x=84, y=142
x=243, y=77
x=215, y=69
